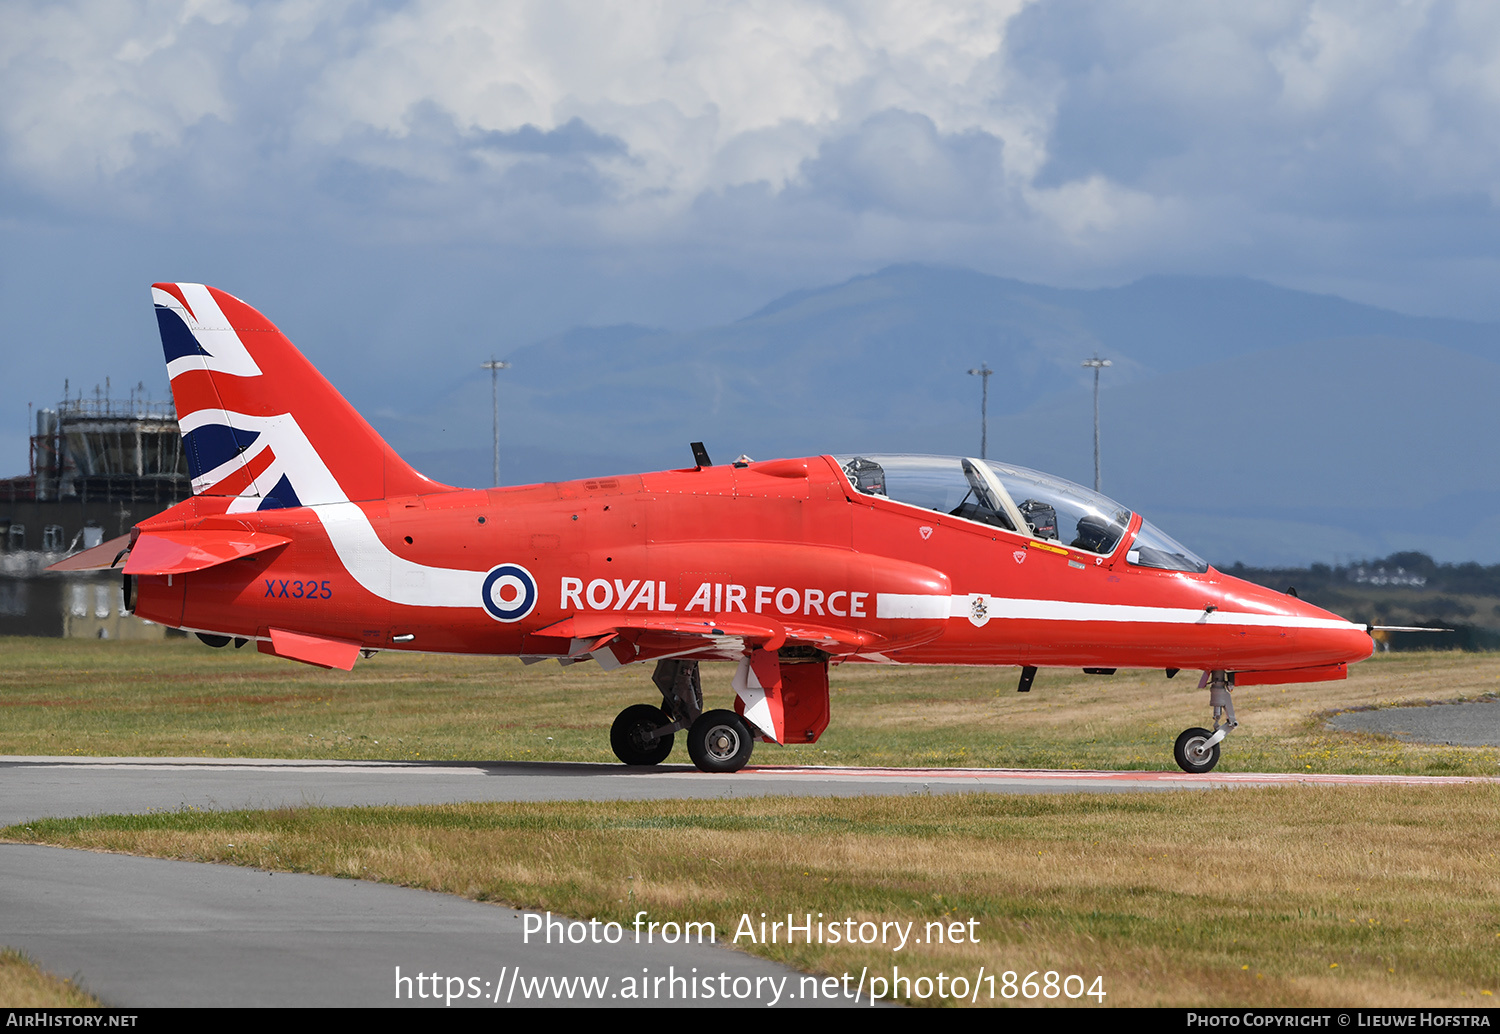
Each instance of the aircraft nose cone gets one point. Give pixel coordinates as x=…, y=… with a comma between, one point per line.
x=1342, y=644
x=1330, y=635
x=1321, y=636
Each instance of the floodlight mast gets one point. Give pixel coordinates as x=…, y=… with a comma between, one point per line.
x=984, y=372
x=495, y=366
x=1097, y=364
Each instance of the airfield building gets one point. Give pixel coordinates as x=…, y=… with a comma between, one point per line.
x=97, y=467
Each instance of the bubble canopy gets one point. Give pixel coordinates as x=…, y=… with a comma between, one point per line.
x=1016, y=499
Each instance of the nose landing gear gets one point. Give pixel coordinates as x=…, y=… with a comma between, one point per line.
x=1197, y=750
x=1193, y=753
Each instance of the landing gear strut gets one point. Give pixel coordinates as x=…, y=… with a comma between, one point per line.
x=718, y=741
x=643, y=733
x=1197, y=750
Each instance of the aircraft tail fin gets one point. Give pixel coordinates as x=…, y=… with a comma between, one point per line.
x=258, y=422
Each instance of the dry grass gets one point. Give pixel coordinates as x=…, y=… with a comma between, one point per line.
x=24, y=986
x=1291, y=896
x=181, y=698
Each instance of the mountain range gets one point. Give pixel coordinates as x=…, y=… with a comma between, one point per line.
x=1254, y=423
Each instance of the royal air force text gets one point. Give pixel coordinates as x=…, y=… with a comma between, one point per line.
x=712, y=598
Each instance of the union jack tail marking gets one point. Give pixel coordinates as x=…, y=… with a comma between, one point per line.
x=258, y=422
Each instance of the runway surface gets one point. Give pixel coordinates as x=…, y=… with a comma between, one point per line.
x=149, y=932
x=34, y=787
x=144, y=932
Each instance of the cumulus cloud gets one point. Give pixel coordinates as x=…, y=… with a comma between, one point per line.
x=1312, y=104
x=695, y=98
x=1064, y=140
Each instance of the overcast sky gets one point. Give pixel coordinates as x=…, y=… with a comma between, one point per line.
x=407, y=187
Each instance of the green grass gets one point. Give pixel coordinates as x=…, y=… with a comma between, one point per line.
x=183, y=699
x=24, y=985
x=1283, y=896
x=1288, y=896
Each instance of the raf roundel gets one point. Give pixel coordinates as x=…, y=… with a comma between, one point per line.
x=508, y=592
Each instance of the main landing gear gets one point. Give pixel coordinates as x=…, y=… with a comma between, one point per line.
x=1197, y=750
x=720, y=741
x=643, y=734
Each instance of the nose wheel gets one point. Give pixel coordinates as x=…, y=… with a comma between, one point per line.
x=1197, y=750
x=1194, y=753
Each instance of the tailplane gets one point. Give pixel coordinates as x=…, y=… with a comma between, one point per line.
x=258, y=422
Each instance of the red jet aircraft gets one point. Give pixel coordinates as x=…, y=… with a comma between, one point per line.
x=307, y=534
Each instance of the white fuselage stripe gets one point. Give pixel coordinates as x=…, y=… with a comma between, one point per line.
x=912, y=605
x=383, y=573
x=930, y=607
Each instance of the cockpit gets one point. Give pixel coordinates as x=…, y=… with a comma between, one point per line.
x=1016, y=499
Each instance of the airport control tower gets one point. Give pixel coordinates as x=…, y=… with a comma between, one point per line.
x=98, y=465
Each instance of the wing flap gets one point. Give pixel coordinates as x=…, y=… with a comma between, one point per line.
x=768, y=635
x=589, y=626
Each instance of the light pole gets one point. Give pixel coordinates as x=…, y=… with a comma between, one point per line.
x=1097, y=364
x=495, y=366
x=984, y=372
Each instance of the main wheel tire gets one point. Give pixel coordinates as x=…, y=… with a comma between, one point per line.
x=628, y=735
x=720, y=741
x=1190, y=753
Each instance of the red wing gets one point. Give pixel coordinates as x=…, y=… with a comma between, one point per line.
x=630, y=637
